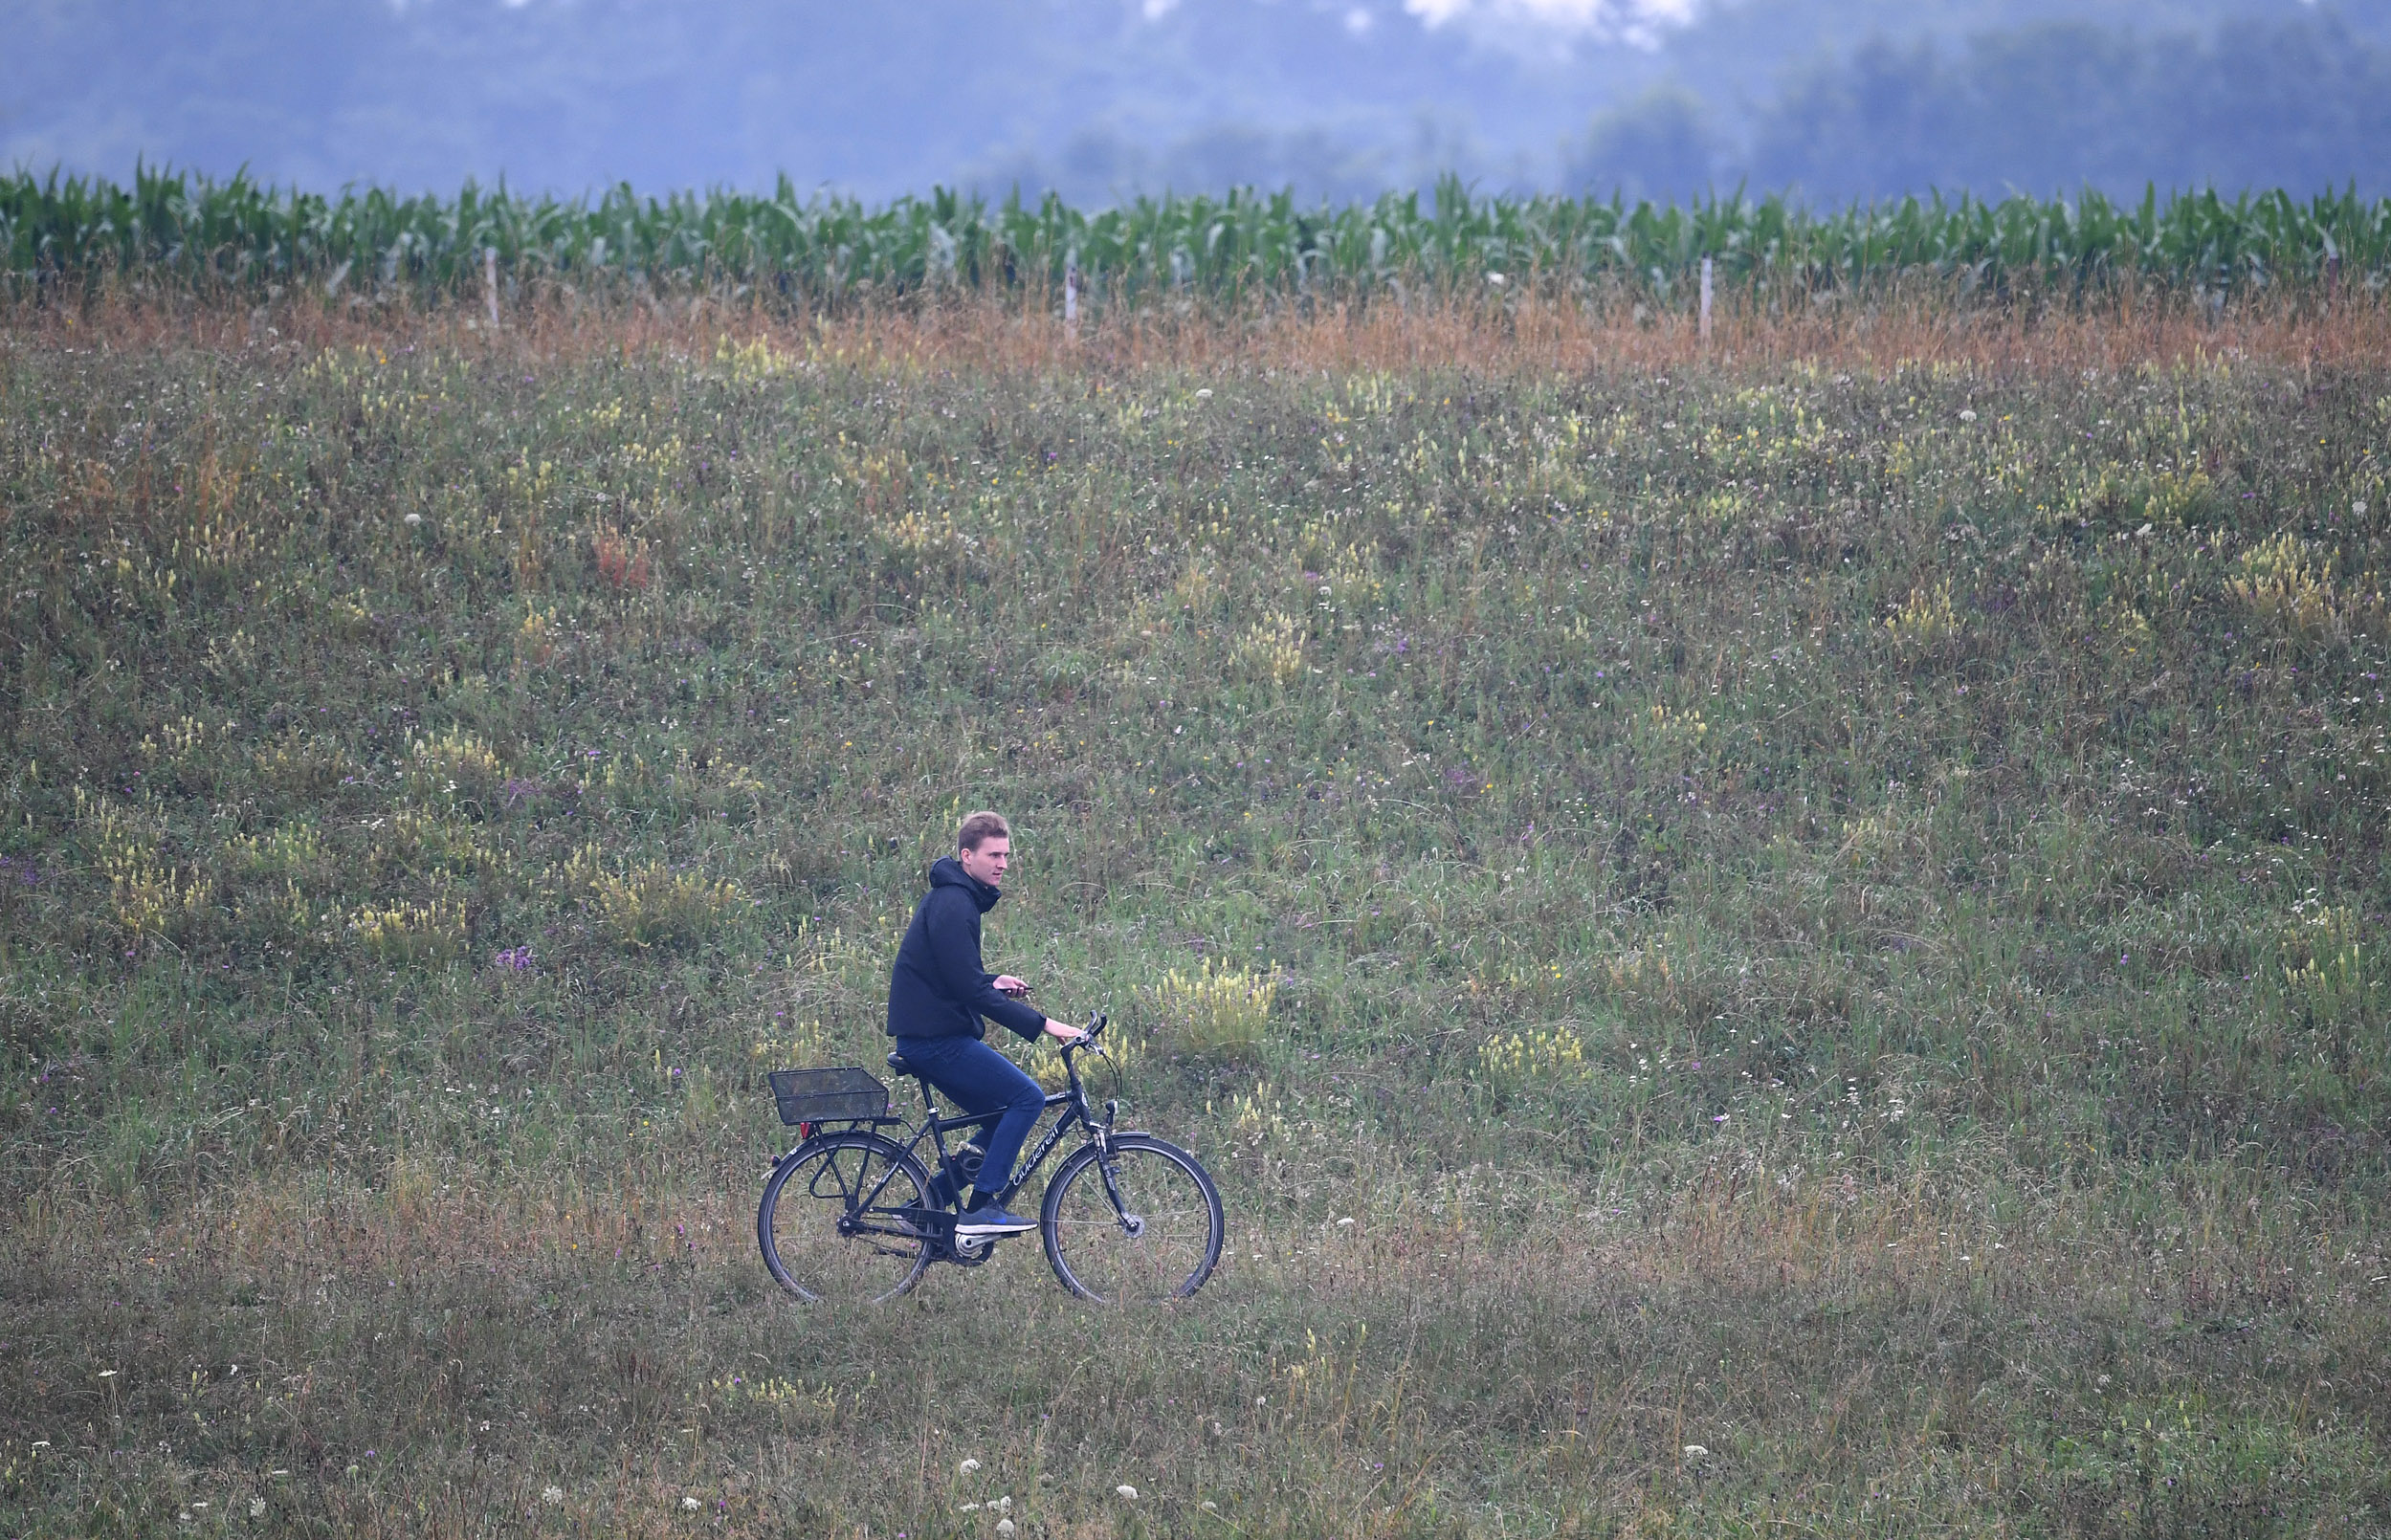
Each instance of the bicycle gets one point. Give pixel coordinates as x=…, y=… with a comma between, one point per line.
x=852, y=1216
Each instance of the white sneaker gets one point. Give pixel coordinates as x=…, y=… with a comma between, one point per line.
x=991, y=1218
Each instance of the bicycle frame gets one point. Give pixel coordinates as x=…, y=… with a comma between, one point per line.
x=1072, y=1100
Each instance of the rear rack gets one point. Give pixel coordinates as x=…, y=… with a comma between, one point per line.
x=843, y=1095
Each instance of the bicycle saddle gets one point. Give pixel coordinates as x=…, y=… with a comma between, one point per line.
x=896, y=1062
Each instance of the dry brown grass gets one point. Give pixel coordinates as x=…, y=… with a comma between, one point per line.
x=1530, y=334
x=1734, y=1344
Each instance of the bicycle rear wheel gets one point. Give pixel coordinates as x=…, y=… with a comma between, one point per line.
x=829, y=1225
x=1152, y=1232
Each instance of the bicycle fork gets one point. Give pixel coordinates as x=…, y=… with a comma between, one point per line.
x=1132, y=1226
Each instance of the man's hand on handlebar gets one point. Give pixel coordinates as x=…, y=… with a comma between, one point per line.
x=1019, y=988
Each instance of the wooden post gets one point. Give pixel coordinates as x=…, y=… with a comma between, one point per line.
x=1706, y=294
x=1070, y=293
x=490, y=282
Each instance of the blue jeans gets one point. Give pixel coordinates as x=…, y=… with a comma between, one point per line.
x=978, y=1079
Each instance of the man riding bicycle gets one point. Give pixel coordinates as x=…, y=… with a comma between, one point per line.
x=937, y=993
x=853, y=1212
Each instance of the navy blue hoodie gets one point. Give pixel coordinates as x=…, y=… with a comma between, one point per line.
x=938, y=988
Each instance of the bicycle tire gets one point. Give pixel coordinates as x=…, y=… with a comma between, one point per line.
x=804, y=1244
x=1089, y=1246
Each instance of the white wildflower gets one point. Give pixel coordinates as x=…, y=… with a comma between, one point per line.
x=2359, y=508
x=968, y=1466
x=1210, y=1507
x=552, y=1495
x=1004, y=1529
x=1127, y=1492
x=257, y=1507
x=689, y=1502
x=1204, y=394
x=414, y=519
x=1694, y=1451
x=1968, y=415
x=1002, y=1505
x=969, y=1507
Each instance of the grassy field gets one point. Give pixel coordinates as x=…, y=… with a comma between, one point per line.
x=1816, y=922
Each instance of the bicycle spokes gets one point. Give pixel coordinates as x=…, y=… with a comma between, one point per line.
x=1143, y=1224
x=833, y=1225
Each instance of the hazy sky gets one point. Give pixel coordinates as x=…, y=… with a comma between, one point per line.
x=1639, y=21
x=1106, y=98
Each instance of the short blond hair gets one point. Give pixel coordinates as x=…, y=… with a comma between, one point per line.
x=981, y=827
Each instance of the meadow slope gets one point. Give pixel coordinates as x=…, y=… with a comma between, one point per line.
x=1819, y=924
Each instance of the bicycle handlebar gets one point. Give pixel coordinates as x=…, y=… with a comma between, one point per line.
x=1096, y=1027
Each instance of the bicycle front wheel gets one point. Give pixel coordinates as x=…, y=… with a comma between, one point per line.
x=831, y=1223
x=1141, y=1223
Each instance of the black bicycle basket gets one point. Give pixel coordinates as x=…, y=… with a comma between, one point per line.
x=828, y=1095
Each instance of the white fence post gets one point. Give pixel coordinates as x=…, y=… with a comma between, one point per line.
x=490, y=282
x=1706, y=294
x=1071, y=291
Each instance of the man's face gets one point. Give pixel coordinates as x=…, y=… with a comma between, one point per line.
x=987, y=863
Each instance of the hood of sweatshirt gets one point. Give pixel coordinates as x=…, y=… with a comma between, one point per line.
x=949, y=872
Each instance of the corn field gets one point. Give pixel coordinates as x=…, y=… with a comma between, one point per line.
x=825, y=253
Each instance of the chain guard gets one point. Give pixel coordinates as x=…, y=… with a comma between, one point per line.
x=945, y=1246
